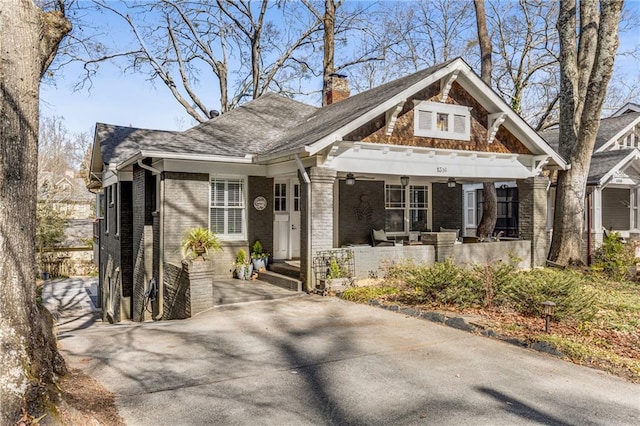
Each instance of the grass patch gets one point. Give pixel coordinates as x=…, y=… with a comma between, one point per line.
x=364, y=294
x=596, y=321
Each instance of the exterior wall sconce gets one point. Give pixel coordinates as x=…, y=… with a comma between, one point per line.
x=404, y=180
x=548, y=312
x=351, y=179
x=451, y=183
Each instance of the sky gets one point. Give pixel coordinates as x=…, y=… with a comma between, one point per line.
x=130, y=100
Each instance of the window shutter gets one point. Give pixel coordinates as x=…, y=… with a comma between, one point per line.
x=425, y=120
x=460, y=124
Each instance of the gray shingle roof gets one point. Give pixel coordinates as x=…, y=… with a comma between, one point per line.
x=251, y=128
x=332, y=117
x=117, y=143
x=609, y=127
x=603, y=162
x=248, y=129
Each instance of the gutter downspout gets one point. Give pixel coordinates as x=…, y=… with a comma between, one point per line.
x=160, y=296
x=307, y=182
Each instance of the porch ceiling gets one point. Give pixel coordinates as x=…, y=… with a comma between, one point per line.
x=432, y=163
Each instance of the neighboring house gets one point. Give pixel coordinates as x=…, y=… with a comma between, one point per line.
x=303, y=179
x=68, y=196
x=613, y=185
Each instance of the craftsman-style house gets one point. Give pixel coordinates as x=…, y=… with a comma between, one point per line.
x=303, y=179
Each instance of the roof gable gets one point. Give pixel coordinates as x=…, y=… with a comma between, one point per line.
x=609, y=131
x=334, y=122
x=403, y=130
x=604, y=165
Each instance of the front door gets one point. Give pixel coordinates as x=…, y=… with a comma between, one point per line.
x=286, y=230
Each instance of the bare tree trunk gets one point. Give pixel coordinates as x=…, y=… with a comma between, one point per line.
x=490, y=202
x=29, y=40
x=328, y=66
x=585, y=71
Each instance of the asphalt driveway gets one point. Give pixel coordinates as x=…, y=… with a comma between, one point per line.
x=314, y=360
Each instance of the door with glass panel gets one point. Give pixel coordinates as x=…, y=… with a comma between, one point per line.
x=286, y=231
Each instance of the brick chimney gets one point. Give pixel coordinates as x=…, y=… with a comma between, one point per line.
x=338, y=88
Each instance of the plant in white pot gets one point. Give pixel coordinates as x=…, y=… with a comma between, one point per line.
x=243, y=266
x=198, y=241
x=259, y=258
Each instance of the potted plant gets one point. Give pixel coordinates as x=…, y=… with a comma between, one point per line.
x=258, y=257
x=198, y=241
x=244, y=268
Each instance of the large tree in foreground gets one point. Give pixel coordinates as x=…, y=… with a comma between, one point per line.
x=29, y=39
x=586, y=65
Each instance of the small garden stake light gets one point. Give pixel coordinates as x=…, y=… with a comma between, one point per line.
x=548, y=312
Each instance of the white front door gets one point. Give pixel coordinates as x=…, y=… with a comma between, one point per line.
x=286, y=227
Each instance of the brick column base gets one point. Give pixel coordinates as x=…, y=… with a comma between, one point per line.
x=532, y=217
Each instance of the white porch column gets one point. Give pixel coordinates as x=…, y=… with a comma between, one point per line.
x=596, y=210
x=317, y=221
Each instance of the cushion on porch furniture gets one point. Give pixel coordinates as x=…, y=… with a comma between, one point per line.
x=457, y=231
x=379, y=238
x=380, y=235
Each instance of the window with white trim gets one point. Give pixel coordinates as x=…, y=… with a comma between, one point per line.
x=442, y=121
x=406, y=208
x=116, y=202
x=227, y=208
x=470, y=209
x=108, y=202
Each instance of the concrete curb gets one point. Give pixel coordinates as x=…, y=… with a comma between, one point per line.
x=461, y=323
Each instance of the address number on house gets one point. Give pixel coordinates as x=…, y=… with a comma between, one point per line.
x=441, y=170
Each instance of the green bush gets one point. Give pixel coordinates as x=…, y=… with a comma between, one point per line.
x=615, y=258
x=573, y=298
x=491, y=280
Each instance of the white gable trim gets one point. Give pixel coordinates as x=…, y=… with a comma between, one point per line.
x=479, y=90
x=476, y=88
x=607, y=145
x=620, y=167
x=323, y=143
x=629, y=106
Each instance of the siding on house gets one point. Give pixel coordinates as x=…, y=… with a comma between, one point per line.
x=615, y=213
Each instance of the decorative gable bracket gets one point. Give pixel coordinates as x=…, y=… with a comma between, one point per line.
x=446, y=83
x=494, y=122
x=539, y=161
x=392, y=116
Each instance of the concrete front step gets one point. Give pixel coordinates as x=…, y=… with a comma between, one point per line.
x=231, y=291
x=280, y=280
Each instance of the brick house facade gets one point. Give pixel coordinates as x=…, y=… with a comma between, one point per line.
x=303, y=179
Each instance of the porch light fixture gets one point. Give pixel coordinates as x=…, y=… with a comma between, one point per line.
x=451, y=183
x=548, y=312
x=404, y=180
x=351, y=179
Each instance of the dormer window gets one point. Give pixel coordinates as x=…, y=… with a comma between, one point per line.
x=442, y=121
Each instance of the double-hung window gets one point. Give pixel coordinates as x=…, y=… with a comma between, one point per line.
x=227, y=208
x=442, y=121
x=406, y=208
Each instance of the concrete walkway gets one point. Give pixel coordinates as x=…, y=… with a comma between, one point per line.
x=314, y=360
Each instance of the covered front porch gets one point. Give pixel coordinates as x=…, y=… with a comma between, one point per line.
x=415, y=195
